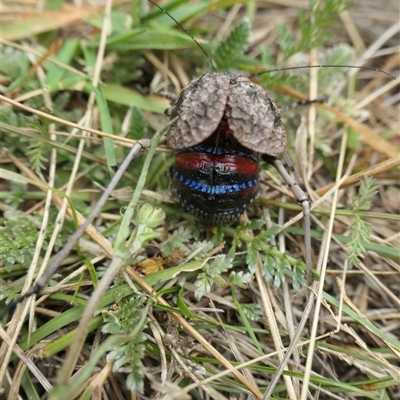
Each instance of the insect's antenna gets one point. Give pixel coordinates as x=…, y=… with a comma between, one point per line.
x=186, y=31
x=326, y=66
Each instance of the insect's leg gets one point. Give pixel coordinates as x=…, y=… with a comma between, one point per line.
x=172, y=97
x=292, y=169
x=299, y=103
x=302, y=199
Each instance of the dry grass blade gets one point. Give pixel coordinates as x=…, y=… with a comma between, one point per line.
x=382, y=167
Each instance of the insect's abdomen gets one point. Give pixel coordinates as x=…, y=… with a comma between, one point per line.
x=216, y=184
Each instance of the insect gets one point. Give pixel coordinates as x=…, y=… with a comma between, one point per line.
x=224, y=121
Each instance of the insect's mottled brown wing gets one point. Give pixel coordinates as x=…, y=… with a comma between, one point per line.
x=254, y=118
x=200, y=108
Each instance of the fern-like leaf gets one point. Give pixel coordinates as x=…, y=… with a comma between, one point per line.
x=230, y=50
x=36, y=156
x=212, y=273
x=252, y=311
x=128, y=321
x=313, y=28
x=17, y=240
x=176, y=241
x=138, y=126
x=360, y=229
